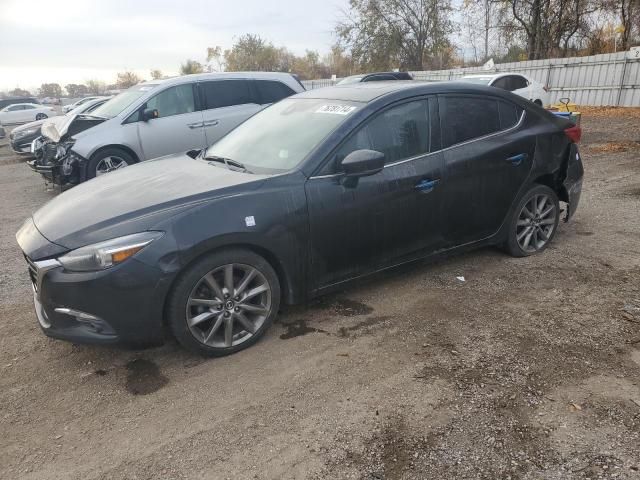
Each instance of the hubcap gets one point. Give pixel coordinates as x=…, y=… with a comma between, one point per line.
x=536, y=223
x=108, y=164
x=228, y=305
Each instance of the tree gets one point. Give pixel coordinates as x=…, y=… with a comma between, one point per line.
x=252, y=53
x=191, y=66
x=127, y=79
x=51, y=90
x=156, y=74
x=96, y=87
x=76, y=90
x=215, y=54
x=19, y=92
x=549, y=26
x=406, y=34
x=339, y=62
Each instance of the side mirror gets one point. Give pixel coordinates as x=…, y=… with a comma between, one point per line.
x=363, y=163
x=148, y=114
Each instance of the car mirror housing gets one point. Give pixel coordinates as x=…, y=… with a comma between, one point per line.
x=362, y=163
x=149, y=114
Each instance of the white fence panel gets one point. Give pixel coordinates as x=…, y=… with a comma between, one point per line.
x=607, y=79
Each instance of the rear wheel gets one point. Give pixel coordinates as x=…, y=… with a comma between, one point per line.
x=41, y=116
x=108, y=160
x=534, y=222
x=224, y=303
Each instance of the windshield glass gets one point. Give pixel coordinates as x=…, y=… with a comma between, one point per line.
x=280, y=137
x=351, y=79
x=478, y=80
x=121, y=101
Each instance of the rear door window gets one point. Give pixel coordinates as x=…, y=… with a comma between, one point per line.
x=469, y=117
x=225, y=93
x=173, y=101
x=516, y=82
x=271, y=91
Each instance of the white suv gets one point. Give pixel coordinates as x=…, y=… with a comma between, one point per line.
x=158, y=118
x=514, y=82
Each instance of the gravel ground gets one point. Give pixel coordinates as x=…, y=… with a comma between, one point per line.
x=529, y=369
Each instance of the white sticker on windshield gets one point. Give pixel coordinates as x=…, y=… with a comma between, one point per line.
x=336, y=109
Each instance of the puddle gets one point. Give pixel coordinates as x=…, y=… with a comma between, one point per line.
x=586, y=234
x=343, y=306
x=144, y=377
x=344, y=331
x=298, y=328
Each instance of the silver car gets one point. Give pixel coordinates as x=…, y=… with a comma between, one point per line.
x=158, y=118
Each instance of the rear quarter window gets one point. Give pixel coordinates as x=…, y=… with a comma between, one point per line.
x=226, y=93
x=509, y=114
x=271, y=91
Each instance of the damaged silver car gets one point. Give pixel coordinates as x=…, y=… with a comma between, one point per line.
x=155, y=119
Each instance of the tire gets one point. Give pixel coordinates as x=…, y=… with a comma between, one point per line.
x=200, y=321
x=99, y=162
x=41, y=116
x=538, y=226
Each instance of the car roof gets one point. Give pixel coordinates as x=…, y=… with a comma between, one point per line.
x=217, y=76
x=370, y=91
x=24, y=103
x=494, y=75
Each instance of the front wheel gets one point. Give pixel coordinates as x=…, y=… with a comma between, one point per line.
x=107, y=161
x=224, y=302
x=534, y=222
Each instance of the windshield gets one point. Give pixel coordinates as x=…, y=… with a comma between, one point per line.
x=478, y=80
x=351, y=79
x=121, y=101
x=280, y=137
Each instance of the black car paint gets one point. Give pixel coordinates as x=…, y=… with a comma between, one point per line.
x=18, y=144
x=316, y=233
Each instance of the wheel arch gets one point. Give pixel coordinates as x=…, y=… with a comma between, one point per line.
x=288, y=294
x=119, y=146
x=554, y=182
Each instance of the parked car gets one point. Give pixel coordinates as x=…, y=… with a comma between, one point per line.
x=50, y=101
x=159, y=118
x=514, y=82
x=21, y=138
x=375, y=77
x=4, y=102
x=25, y=112
x=3, y=132
x=315, y=191
x=76, y=104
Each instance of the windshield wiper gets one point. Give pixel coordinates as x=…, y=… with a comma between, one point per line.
x=228, y=162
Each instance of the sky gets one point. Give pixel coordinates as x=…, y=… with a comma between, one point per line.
x=71, y=41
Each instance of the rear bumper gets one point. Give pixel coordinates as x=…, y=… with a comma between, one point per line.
x=573, y=181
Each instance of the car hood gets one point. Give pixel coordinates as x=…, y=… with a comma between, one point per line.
x=136, y=198
x=57, y=128
x=29, y=125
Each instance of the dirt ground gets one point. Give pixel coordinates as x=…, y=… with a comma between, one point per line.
x=529, y=369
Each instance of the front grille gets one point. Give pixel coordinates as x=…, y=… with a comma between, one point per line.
x=33, y=272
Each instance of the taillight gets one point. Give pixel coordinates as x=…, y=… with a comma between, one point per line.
x=574, y=133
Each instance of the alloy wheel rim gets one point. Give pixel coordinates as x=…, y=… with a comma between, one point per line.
x=109, y=164
x=40, y=116
x=536, y=223
x=228, y=305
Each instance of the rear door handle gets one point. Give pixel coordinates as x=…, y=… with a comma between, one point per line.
x=195, y=125
x=426, y=185
x=211, y=123
x=517, y=159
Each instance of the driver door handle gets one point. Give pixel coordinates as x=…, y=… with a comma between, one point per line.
x=195, y=125
x=517, y=159
x=211, y=123
x=426, y=185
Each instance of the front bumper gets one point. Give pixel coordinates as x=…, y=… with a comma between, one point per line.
x=122, y=304
x=22, y=145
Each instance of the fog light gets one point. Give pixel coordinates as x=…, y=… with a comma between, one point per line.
x=99, y=325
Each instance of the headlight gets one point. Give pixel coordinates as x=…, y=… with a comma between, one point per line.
x=24, y=133
x=103, y=255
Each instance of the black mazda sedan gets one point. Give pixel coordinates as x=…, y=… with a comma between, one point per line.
x=317, y=190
